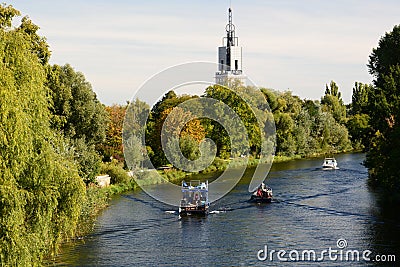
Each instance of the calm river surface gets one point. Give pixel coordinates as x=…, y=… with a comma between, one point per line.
x=312, y=209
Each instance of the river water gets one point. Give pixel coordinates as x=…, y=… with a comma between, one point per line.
x=312, y=209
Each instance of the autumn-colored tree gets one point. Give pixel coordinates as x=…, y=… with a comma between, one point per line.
x=192, y=128
x=155, y=123
x=112, y=146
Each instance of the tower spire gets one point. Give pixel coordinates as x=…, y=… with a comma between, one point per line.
x=229, y=54
x=230, y=30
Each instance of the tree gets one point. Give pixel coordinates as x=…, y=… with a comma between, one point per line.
x=41, y=192
x=170, y=121
x=76, y=110
x=359, y=129
x=112, y=145
x=156, y=120
x=284, y=127
x=238, y=98
x=332, y=102
x=386, y=55
x=134, y=135
x=271, y=98
x=358, y=121
x=384, y=110
x=78, y=115
x=359, y=98
x=383, y=155
x=7, y=13
x=39, y=45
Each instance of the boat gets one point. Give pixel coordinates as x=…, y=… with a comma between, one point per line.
x=263, y=194
x=194, y=198
x=330, y=164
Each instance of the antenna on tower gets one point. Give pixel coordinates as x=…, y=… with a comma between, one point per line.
x=230, y=30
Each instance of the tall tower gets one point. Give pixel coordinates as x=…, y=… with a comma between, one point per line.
x=229, y=55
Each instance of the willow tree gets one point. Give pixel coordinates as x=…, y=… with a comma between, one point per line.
x=40, y=189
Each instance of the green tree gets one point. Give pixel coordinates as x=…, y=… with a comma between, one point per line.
x=358, y=121
x=284, y=127
x=75, y=108
x=386, y=55
x=78, y=114
x=271, y=98
x=7, y=13
x=359, y=130
x=359, y=98
x=384, y=109
x=332, y=102
x=238, y=98
x=39, y=44
x=40, y=189
x=135, y=125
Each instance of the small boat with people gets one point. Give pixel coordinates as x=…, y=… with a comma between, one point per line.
x=263, y=194
x=194, y=198
x=330, y=164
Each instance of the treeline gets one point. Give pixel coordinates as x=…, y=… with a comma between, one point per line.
x=304, y=128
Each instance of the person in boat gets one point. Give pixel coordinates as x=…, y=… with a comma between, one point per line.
x=261, y=191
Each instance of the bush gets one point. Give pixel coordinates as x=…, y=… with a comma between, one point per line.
x=88, y=160
x=117, y=173
x=220, y=164
x=96, y=199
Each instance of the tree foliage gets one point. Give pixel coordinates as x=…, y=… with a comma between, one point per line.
x=40, y=189
x=158, y=114
x=332, y=102
x=78, y=115
x=358, y=120
x=384, y=111
x=112, y=147
x=386, y=55
x=305, y=127
x=234, y=97
x=76, y=110
x=359, y=99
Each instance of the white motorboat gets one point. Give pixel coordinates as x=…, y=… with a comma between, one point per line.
x=330, y=164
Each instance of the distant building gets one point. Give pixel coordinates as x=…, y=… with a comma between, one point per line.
x=229, y=56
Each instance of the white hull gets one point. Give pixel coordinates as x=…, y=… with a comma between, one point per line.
x=330, y=164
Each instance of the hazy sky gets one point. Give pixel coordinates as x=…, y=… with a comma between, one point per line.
x=295, y=45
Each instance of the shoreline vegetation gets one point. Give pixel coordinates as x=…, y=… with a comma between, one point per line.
x=56, y=136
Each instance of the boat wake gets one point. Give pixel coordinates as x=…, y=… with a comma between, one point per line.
x=217, y=211
x=170, y=211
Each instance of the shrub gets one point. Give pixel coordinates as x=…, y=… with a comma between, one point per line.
x=117, y=173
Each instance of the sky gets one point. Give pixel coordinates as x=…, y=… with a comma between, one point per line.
x=287, y=45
